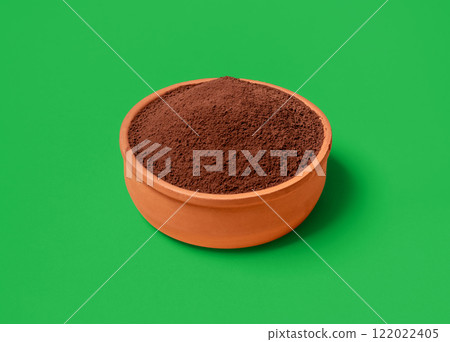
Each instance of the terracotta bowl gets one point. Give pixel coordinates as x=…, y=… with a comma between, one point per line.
x=225, y=221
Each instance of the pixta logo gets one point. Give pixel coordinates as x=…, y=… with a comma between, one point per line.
x=253, y=161
x=142, y=151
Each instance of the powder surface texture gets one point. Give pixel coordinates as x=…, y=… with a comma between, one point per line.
x=225, y=112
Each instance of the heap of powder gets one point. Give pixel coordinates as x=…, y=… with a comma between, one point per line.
x=225, y=112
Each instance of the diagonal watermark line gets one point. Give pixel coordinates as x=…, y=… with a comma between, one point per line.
x=321, y=66
x=129, y=66
x=323, y=260
x=129, y=258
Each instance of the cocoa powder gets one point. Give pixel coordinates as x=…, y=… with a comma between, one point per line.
x=225, y=112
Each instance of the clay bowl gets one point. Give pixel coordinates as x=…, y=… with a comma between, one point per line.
x=221, y=220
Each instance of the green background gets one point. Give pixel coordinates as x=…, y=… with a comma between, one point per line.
x=67, y=222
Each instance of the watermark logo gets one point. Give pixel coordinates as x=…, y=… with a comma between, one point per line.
x=150, y=163
x=144, y=152
x=253, y=161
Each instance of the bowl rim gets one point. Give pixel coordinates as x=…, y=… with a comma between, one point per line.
x=201, y=197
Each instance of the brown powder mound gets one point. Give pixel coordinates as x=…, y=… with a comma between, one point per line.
x=225, y=112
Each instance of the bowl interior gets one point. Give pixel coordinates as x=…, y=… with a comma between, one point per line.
x=239, y=198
